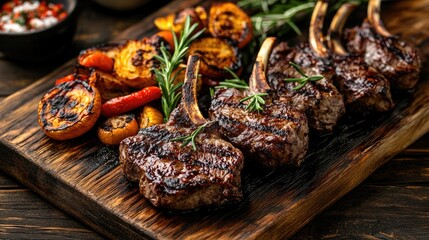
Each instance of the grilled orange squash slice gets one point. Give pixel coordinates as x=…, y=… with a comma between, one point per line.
x=227, y=20
x=69, y=110
x=135, y=61
x=177, y=21
x=216, y=54
x=109, y=85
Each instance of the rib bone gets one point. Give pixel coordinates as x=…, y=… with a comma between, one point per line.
x=375, y=19
x=316, y=29
x=189, y=97
x=336, y=28
x=258, y=81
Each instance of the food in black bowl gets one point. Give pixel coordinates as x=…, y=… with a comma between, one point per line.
x=32, y=30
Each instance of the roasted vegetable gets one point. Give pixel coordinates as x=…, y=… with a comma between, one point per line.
x=202, y=15
x=113, y=130
x=108, y=49
x=167, y=36
x=109, y=85
x=120, y=105
x=135, y=61
x=149, y=116
x=176, y=22
x=96, y=59
x=216, y=54
x=69, y=110
x=227, y=20
x=71, y=77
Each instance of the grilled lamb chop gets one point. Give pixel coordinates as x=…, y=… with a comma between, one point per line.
x=397, y=60
x=176, y=177
x=363, y=87
x=276, y=136
x=320, y=100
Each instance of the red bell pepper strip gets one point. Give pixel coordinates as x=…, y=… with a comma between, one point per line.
x=120, y=105
x=97, y=60
x=71, y=77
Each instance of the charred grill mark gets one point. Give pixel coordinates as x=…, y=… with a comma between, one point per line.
x=230, y=123
x=137, y=60
x=59, y=103
x=189, y=88
x=398, y=61
x=388, y=43
x=211, y=157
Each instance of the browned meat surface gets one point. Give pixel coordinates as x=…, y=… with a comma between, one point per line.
x=175, y=176
x=180, y=178
x=395, y=59
x=320, y=100
x=277, y=136
x=364, y=88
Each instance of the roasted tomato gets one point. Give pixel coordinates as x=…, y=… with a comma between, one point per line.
x=69, y=110
x=109, y=85
x=71, y=77
x=135, y=62
x=216, y=54
x=149, y=116
x=227, y=20
x=108, y=49
x=96, y=59
x=115, y=129
x=177, y=21
x=120, y=105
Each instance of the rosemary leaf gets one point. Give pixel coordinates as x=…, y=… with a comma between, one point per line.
x=236, y=82
x=169, y=63
x=256, y=102
x=304, y=79
x=190, y=138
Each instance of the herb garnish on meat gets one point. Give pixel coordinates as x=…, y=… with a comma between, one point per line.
x=190, y=138
x=164, y=76
x=304, y=79
x=256, y=100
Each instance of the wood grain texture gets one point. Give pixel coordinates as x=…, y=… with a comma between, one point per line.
x=26, y=217
x=83, y=177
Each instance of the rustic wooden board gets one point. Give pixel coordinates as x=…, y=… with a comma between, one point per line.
x=83, y=177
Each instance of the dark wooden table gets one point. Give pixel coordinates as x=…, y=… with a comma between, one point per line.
x=392, y=204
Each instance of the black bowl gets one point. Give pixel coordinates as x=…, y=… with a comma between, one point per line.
x=43, y=44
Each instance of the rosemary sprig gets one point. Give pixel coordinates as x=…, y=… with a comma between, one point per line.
x=190, y=138
x=304, y=79
x=235, y=82
x=280, y=16
x=164, y=75
x=256, y=102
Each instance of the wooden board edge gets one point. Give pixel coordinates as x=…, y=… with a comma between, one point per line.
x=67, y=198
x=417, y=126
